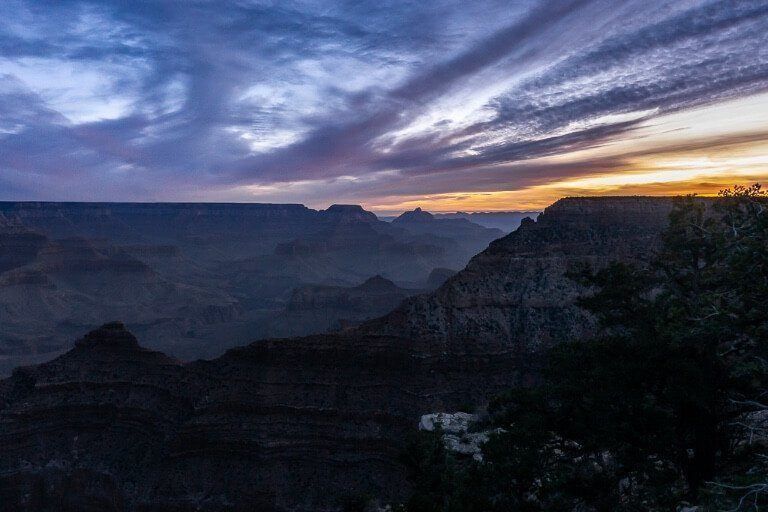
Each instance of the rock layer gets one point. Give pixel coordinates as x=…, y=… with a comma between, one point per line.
x=515, y=295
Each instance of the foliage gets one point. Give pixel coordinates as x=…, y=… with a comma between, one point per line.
x=662, y=408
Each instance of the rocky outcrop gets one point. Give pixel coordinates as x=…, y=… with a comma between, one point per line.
x=279, y=425
x=305, y=424
x=515, y=295
x=108, y=407
x=456, y=430
x=415, y=216
x=322, y=297
x=346, y=213
x=350, y=245
x=71, y=285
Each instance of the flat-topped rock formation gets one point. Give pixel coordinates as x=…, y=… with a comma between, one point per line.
x=148, y=221
x=304, y=424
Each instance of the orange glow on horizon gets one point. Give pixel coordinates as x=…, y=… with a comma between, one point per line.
x=701, y=151
x=539, y=197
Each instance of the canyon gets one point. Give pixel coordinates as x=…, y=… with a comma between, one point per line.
x=309, y=423
x=196, y=279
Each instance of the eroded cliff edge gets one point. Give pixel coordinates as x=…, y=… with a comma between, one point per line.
x=515, y=294
x=306, y=423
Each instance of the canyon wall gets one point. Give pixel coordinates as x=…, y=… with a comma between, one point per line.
x=303, y=424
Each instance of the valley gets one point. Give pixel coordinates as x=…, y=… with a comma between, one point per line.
x=307, y=423
x=197, y=279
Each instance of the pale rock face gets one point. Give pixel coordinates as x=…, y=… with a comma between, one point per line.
x=456, y=435
x=450, y=423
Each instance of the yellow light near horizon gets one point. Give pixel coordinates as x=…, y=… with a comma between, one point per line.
x=699, y=151
x=657, y=175
x=702, y=150
x=733, y=163
x=673, y=175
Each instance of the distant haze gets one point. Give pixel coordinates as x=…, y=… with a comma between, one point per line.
x=196, y=279
x=505, y=221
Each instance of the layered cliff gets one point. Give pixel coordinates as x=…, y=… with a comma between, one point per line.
x=306, y=423
x=516, y=295
x=300, y=424
x=108, y=407
x=18, y=245
x=195, y=226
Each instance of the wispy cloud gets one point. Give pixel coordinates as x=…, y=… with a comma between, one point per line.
x=313, y=101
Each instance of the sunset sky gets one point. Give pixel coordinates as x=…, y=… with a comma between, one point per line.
x=447, y=105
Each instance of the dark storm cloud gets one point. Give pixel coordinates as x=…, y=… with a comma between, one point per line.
x=168, y=100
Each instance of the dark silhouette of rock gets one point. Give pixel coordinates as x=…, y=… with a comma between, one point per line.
x=417, y=215
x=505, y=221
x=349, y=213
x=466, y=237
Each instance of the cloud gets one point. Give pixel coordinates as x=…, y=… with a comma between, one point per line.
x=198, y=100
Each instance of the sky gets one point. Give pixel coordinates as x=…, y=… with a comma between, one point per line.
x=444, y=104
